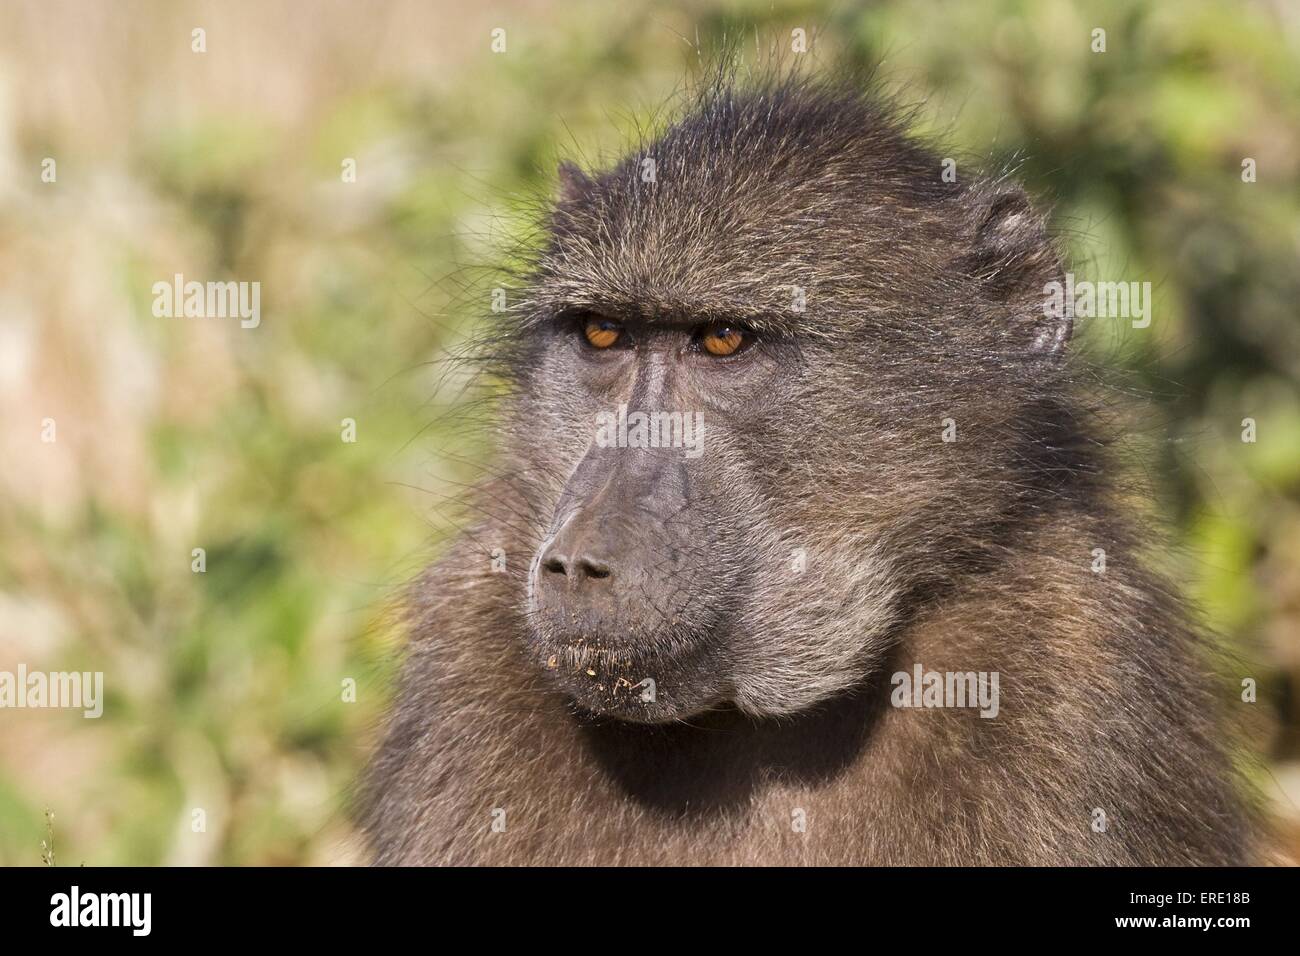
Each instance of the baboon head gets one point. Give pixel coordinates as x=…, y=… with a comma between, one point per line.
x=844, y=361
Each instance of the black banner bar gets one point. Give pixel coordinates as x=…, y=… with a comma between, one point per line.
x=332, y=906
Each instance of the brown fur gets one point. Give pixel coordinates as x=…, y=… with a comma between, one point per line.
x=974, y=555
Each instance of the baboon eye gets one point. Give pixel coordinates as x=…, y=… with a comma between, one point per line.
x=601, y=333
x=723, y=340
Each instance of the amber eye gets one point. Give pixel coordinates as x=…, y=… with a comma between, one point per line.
x=601, y=333
x=722, y=340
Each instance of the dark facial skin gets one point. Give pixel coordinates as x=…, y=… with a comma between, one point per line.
x=623, y=591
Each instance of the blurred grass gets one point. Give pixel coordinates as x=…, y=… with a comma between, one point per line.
x=224, y=688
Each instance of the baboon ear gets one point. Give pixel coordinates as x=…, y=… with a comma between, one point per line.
x=1017, y=263
x=574, y=183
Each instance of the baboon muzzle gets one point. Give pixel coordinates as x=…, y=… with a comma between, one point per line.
x=619, y=559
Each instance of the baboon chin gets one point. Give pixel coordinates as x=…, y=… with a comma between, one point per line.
x=787, y=432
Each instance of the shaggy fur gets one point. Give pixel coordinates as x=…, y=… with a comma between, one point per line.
x=923, y=304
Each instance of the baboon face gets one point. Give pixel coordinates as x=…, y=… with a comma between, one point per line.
x=767, y=381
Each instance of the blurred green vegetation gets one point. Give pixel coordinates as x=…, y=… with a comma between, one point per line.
x=224, y=688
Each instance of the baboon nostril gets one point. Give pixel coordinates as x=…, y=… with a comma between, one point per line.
x=576, y=569
x=594, y=568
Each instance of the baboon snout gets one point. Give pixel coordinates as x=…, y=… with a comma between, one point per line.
x=605, y=570
x=620, y=558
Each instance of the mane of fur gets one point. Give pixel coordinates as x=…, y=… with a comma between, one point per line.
x=923, y=297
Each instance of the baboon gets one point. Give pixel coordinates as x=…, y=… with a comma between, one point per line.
x=691, y=656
